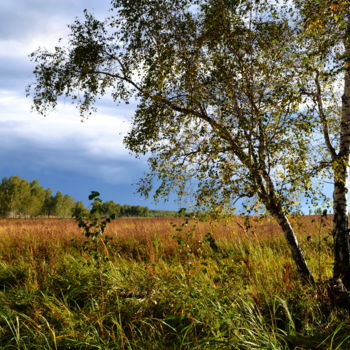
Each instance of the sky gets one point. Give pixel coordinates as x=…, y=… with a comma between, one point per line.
x=60, y=150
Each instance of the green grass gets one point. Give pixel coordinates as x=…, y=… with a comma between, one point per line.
x=244, y=294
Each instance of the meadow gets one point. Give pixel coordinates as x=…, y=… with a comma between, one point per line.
x=166, y=283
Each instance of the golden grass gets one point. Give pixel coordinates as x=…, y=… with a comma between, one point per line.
x=165, y=266
x=144, y=228
x=149, y=238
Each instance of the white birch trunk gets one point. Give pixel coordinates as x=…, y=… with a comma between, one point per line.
x=291, y=238
x=341, y=172
x=276, y=210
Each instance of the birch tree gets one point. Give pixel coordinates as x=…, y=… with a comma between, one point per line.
x=325, y=57
x=218, y=99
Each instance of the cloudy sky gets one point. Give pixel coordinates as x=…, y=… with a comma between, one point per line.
x=59, y=150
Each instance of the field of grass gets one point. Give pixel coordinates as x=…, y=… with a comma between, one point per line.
x=165, y=284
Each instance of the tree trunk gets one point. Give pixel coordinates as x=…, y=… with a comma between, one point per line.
x=341, y=172
x=340, y=227
x=274, y=207
x=297, y=253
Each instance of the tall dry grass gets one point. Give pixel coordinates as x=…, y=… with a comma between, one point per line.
x=54, y=231
x=168, y=284
x=152, y=239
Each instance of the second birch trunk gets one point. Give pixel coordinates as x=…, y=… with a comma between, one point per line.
x=341, y=173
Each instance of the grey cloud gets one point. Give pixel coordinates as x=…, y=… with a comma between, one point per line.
x=22, y=19
x=32, y=147
x=15, y=73
x=70, y=156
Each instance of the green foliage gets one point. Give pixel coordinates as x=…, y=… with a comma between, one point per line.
x=162, y=213
x=20, y=198
x=218, y=91
x=79, y=209
x=95, y=221
x=134, y=210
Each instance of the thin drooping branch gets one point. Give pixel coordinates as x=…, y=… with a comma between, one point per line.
x=323, y=117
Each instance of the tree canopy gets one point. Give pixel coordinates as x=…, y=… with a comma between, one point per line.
x=231, y=93
x=20, y=198
x=218, y=100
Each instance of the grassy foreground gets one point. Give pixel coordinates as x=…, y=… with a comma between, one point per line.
x=165, y=284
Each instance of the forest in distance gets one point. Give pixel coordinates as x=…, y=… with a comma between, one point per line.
x=21, y=198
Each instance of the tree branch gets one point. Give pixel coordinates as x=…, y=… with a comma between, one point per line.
x=323, y=117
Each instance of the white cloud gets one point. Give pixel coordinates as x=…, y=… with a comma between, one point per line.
x=60, y=141
x=27, y=20
x=94, y=146
x=99, y=133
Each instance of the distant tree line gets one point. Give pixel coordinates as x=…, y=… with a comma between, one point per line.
x=110, y=208
x=21, y=198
